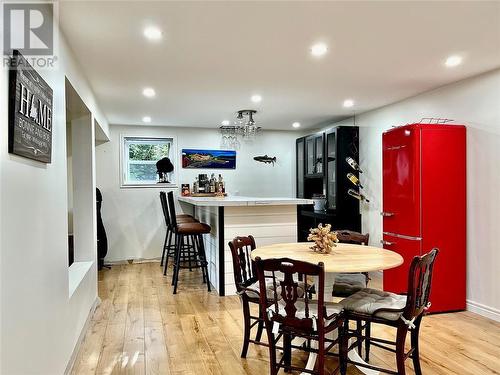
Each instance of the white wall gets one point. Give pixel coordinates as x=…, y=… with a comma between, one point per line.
x=132, y=217
x=40, y=322
x=474, y=102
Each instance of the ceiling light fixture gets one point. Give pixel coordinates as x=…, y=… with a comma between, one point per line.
x=152, y=33
x=296, y=125
x=453, y=61
x=256, y=98
x=319, y=49
x=149, y=92
x=146, y=119
x=225, y=123
x=348, y=103
x=244, y=126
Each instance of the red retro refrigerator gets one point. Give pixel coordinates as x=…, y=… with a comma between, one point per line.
x=424, y=206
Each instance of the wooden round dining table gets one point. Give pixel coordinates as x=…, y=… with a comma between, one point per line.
x=343, y=258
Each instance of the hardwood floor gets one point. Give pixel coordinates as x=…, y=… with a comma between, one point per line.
x=142, y=328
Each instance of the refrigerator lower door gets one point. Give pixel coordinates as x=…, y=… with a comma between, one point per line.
x=396, y=279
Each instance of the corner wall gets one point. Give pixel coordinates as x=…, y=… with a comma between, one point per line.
x=474, y=102
x=40, y=322
x=132, y=216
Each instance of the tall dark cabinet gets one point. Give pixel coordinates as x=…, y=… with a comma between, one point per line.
x=322, y=170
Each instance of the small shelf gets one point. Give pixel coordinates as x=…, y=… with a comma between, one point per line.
x=317, y=214
x=316, y=175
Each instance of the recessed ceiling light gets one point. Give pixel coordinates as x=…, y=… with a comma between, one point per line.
x=453, y=61
x=152, y=33
x=256, y=98
x=149, y=92
x=225, y=123
x=319, y=49
x=348, y=103
x=146, y=119
x=296, y=125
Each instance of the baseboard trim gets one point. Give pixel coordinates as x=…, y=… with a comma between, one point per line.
x=132, y=260
x=85, y=328
x=483, y=310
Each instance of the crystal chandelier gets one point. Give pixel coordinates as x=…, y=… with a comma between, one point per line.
x=244, y=127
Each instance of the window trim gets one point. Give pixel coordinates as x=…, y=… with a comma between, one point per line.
x=123, y=171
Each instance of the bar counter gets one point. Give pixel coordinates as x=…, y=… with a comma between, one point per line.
x=269, y=220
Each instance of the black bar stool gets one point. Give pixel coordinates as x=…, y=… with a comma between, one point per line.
x=183, y=232
x=169, y=244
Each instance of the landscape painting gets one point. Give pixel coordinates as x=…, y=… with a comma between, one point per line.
x=208, y=159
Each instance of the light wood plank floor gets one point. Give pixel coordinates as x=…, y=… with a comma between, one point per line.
x=142, y=328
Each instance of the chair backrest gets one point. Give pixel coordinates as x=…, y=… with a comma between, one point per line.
x=349, y=236
x=164, y=207
x=171, y=209
x=281, y=298
x=419, y=284
x=244, y=269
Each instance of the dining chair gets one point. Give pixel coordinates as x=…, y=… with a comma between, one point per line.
x=347, y=284
x=245, y=278
x=403, y=312
x=287, y=315
x=247, y=288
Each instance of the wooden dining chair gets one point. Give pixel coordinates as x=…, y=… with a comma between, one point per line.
x=245, y=279
x=347, y=284
x=287, y=315
x=247, y=287
x=403, y=312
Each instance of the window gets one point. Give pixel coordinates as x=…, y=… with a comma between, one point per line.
x=139, y=158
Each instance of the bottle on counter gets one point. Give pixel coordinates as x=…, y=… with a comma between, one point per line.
x=195, y=186
x=222, y=188
x=201, y=186
x=212, y=183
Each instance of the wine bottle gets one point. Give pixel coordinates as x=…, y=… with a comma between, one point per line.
x=354, y=180
x=353, y=164
x=357, y=195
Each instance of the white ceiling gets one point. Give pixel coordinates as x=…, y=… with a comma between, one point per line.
x=215, y=55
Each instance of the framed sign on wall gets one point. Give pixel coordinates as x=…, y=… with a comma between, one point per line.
x=30, y=112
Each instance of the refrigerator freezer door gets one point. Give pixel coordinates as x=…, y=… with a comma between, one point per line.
x=396, y=279
x=401, y=181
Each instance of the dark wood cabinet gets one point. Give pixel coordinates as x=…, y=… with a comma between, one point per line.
x=322, y=170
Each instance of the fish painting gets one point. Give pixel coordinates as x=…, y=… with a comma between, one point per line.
x=265, y=159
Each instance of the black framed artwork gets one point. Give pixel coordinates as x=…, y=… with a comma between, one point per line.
x=30, y=112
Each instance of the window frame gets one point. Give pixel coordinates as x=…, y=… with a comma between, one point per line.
x=124, y=183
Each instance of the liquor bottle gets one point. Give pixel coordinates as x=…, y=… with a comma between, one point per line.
x=353, y=164
x=195, y=186
x=222, y=187
x=354, y=180
x=357, y=195
x=212, y=183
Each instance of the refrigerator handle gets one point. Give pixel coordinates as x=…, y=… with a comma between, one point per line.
x=387, y=214
x=387, y=243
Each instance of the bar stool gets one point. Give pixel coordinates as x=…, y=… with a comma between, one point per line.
x=184, y=231
x=168, y=246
